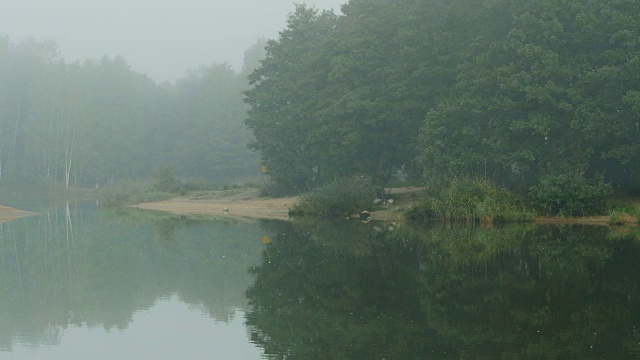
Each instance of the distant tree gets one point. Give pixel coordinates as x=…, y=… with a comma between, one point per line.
x=253, y=56
x=98, y=121
x=211, y=140
x=166, y=179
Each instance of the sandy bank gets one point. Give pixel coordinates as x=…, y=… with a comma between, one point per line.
x=247, y=204
x=9, y=213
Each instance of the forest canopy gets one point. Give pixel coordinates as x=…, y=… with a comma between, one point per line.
x=96, y=122
x=510, y=91
x=504, y=90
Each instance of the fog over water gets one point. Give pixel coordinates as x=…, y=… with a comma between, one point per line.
x=162, y=39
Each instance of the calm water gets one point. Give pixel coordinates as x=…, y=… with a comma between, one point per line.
x=78, y=282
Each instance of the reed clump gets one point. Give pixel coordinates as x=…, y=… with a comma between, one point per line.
x=471, y=201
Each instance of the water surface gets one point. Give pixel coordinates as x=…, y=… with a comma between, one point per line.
x=79, y=282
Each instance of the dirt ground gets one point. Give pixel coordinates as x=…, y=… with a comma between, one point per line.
x=9, y=213
x=244, y=204
x=247, y=204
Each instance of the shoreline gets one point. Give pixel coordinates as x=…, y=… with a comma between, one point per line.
x=247, y=204
x=243, y=205
x=8, y=213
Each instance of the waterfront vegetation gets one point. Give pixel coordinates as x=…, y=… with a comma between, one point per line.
x=462, y=200
x=339, y=198
x=477, y=201
x=473, y=202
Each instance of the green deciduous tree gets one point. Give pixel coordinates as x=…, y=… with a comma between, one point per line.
x=546, y=93
x=284, y=98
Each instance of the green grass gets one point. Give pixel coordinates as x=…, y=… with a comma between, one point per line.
x=471, y=201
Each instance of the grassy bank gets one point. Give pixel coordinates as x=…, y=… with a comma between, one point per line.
x=471, y=202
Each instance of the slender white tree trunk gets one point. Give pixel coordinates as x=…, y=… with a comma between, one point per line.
x=69, y=147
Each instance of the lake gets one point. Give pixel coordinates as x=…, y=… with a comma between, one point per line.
x=80, y=282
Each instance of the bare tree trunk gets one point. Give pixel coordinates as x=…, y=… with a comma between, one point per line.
x=14, y=139
x=69, y=148
x=15, y=127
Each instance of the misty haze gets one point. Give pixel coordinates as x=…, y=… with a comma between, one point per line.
x=338, y=179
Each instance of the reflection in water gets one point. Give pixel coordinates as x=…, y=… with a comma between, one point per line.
x=77, y=269
x=168, y=330
x=119, y=283
x=352, y=291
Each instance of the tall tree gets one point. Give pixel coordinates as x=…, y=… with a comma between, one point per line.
x=532, y=99
x=284, y=98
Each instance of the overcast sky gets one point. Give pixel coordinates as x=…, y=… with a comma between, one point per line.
x=161, y=38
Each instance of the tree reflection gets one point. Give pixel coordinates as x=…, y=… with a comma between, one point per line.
x=79, y=267
x=352, y=291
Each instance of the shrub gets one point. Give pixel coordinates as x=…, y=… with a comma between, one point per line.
x=617, y=217
x=128, y=191
x=166, y=180
x=341, y=197
x=198, y=185
x=569, y=195
x=472, y=201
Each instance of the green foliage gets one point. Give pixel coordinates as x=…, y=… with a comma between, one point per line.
x=569, y=195
x=471, y=201
x=98, y=121
x=623, y=212
x=130, y=191
x=506, y=90
x=527, y=104
x=284, y=102
x=271, y=188
x=343, y=196
x=337, y=96
x=197, y=185
x=617, y=217
x=450, y=89
x=166, y=180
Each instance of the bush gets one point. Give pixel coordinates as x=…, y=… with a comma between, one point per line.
x=570, y=195
x=617, y=217
x=198, y=185
x=268, y=188
x=166, y=180
x=472, y=201
x=127, y=192
x=341, y=197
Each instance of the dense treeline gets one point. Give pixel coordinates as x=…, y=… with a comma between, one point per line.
x=98, y=121
x=505, y=90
